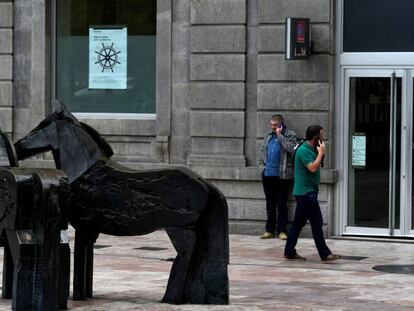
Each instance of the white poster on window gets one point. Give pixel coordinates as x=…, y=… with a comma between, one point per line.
x=359, y=143
x=108, y=58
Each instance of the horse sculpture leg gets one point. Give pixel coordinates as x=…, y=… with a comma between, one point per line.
x=83, y=265
x=207, y=280
x=7, y=287
x=199, y=273
x=217, y=260
x=183, y=241
x=79, y=269
x=64, y=271
x=89, y=270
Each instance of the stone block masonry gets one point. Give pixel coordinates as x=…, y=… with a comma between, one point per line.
x=217, y=82
x=6, y=66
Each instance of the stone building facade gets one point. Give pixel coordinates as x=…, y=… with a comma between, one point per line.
x=220, y=74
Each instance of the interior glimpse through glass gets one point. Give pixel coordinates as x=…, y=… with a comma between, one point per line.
x=369, y=184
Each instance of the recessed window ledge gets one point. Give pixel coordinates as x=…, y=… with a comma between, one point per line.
x=118, y=116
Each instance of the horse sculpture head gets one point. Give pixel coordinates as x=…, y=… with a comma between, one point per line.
x=75, y=146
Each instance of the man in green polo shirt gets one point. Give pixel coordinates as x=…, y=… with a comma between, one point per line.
x=308, y=159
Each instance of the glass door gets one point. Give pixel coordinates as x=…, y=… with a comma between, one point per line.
x=374, y=147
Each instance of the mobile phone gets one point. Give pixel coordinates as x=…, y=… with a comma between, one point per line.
x=319, y=144
x=318, y=138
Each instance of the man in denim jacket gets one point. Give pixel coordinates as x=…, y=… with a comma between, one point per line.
x=277, y=173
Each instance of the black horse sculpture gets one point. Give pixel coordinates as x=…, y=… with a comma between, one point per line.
x=103, y=196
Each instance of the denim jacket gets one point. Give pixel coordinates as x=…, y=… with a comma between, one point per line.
x=288, y=141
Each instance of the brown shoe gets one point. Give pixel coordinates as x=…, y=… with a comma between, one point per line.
x=282, y=236
x=267, y=235
x=331, y=257
x=294, y=257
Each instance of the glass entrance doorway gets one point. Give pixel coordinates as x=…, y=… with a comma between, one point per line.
x=378, y=147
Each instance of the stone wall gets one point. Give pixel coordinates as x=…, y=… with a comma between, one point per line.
x=6, y=66
x=239, y=77
x=303, y=89
x=221, y=74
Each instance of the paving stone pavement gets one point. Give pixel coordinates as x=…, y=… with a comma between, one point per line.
x=131, y=273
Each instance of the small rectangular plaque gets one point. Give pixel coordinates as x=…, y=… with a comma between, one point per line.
x=359, y=147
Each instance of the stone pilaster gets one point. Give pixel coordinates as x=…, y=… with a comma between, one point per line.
x=6, y=66
x=217, y=82
x=31, y=64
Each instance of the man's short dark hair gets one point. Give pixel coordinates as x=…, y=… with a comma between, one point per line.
x=277, y=117
x=313, y=131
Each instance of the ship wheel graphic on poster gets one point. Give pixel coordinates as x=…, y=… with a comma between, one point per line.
x=107, y=57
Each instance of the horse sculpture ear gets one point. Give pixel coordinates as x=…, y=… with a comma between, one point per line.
x=59, y=107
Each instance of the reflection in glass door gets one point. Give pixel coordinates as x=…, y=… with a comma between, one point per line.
x=374, y=145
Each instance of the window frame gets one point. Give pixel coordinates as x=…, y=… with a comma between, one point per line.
x=157, y=124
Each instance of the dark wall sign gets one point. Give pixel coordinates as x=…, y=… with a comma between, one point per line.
x=298, y=38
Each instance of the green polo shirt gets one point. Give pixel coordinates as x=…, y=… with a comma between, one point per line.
x=304, y=180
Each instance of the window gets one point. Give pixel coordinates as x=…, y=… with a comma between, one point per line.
x=74, y=20
x=378, y=26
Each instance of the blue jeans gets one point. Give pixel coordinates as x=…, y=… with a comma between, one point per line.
x=307, y=208
x=276, y=192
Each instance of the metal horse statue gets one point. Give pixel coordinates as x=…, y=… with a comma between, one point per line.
x=103, y=196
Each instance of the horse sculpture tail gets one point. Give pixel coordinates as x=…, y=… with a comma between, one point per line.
x=207, y=281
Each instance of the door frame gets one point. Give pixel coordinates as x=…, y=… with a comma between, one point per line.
x=409, y=219
x=379, y=60
x=407, y=75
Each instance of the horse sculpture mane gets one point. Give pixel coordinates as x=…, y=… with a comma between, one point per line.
x=99, y=140
x=102, y=196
